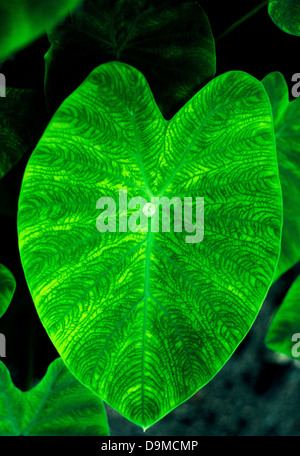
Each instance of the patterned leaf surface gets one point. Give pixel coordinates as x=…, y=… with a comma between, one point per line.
x=23, y=21
x=286, y=15
x=58, y=405
x=145, y=319
x=287, y=132
x=169, y=41
x=286, y=323
x=7, y=288
x=22, y=120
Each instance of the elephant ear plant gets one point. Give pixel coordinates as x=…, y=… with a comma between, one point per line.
x=286, y=116
x=286, y=15
x=58, y=405
x=142, y=317
x=284, y=329
x=284, y=333
x=156, y=209
x=169, y=41
x=22, y=21
x=7, y=288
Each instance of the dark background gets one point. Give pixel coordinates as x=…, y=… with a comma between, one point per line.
x=257, y=392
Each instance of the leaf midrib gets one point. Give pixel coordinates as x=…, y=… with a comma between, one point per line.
x=146, y=297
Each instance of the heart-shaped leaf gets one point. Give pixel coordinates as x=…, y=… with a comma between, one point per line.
x=58, y=405
x=23, y=21
x=22, y=121
x=287, y=132
x=284, y=331
x=145, y=319
x=286, y=15
x=7, y=288
x=169, y=41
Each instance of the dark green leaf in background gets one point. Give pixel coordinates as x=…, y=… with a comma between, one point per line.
x=169, y=41
x=286, y=15
x=22, y=21
x=286, y=323
x=58, y=405
x=7, y=288
x=146, y=319
x=287, y=132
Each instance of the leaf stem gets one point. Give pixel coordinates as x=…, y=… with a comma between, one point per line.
x=29, y=381
x=243, y=19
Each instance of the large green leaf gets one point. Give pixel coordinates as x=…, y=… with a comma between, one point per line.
x=169, y=41
x=286, y=15
x=22, y=121
x=7, y=288
x=146, y=319
x=58, y=405
x=284, y=330
x=287, y=132
x=22, y=21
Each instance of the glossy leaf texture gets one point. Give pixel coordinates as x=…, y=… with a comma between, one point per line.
x=286, y=15
x=22, y=121
x=287, y=132
x=146, y=319
x=58, y=405
x=7, y=288
x=285, y=326
x=169, y=41
x=22, y=21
